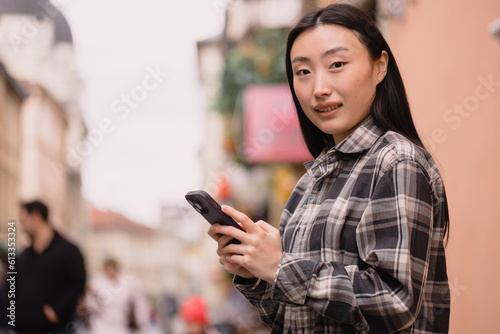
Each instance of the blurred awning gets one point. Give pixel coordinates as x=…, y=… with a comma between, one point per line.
x=271, y=127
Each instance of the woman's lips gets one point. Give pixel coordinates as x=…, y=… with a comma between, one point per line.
x=327, y=107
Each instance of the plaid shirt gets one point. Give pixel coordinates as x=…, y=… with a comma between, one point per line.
x=362, y=235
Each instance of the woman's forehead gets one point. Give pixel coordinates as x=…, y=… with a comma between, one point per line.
x=325, y=37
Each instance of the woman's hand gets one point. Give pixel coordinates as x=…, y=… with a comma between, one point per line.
x=222, y=241
x=259, y=252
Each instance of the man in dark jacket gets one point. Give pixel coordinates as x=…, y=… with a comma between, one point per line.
x=50, y=276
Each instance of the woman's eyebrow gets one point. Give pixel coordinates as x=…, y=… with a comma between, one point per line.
x=300, y=58
x=325, y=54
x=334, y=50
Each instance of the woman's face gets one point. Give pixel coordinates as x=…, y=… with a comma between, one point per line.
x=335, y=78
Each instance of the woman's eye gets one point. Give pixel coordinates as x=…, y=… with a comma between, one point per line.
x=337, y=64
x=303, y=72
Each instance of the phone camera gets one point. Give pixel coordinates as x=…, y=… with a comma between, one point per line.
x=198, y=207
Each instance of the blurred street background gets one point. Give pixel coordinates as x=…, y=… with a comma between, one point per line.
x=111, y=111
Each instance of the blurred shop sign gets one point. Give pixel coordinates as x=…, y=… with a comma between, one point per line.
x=271, y=127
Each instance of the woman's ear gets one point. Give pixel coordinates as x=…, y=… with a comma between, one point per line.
x=381, y=65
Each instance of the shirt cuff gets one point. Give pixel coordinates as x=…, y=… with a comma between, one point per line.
x=254, y=282
x=292, y=279
x=253, y=289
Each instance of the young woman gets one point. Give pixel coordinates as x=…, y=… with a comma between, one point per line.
x=360, y=246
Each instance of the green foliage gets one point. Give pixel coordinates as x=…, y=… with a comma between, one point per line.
x=258, y=59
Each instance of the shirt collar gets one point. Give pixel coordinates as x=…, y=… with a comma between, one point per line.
x=361, y=139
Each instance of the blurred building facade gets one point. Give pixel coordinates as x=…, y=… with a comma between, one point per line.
x=449, y=56
x=37, y=53
x=11, y=98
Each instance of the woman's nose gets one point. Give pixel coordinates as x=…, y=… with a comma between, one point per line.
x=321, y=86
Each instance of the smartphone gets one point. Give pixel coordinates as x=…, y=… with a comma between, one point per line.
x=206, y=206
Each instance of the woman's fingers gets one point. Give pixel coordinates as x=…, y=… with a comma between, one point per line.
x=240, y=217
x=230, y=231
x=260, y=250
x=234, y=268
x=260, y=254
x=213, y=233
x=230, y=267
x=216, y=232
x=248, y=225
x=222, y=243
x=266, y=226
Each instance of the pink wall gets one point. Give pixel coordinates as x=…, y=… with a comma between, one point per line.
x=451, y=67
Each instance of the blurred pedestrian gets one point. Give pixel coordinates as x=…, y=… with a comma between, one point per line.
x=50, y=276
x=360, y=247
x=116, y=302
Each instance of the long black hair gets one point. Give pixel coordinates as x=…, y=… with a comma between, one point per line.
x=390, y=108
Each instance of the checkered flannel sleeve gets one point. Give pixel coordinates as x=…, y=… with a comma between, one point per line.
x=258, y=293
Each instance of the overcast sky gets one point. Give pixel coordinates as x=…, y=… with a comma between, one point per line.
x=142, y=101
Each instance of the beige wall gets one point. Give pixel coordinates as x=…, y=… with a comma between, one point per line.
x=447, y=56
x=10, y=105
x=43, y=156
